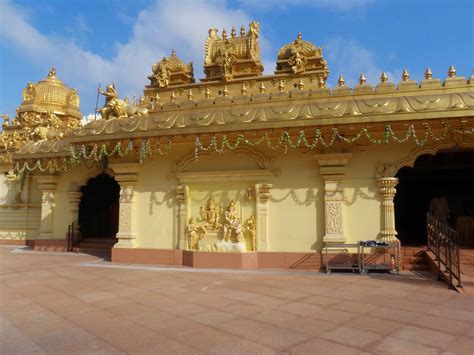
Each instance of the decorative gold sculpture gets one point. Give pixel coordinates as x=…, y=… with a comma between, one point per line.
x=115, y=107
x=232, y=58
x=194, y=233
x=6, y=120
x=250, y=227
x=171, y=71
x=211, y=214
x=301, y=56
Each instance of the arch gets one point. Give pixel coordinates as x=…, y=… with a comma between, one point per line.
x=99, y=207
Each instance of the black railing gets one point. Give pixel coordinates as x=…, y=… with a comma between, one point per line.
x=443, y=241
x=73, y=235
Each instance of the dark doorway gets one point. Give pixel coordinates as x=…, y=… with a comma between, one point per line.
x=447, y=175
x=99, y=207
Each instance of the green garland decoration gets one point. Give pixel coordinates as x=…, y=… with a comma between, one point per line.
x=95, y=153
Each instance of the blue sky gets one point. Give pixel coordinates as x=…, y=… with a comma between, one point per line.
x=118, y=40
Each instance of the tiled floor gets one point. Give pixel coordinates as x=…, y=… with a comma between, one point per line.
x=76, y=304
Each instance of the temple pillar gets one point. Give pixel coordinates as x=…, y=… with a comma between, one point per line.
x=47, y=184
x=12, y=183
x=182, y=214
x=262, y=192
x=126, y=174
x=388, y=191
x=333, y=168
x=74, y=198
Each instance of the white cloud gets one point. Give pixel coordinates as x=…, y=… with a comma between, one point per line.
x=156, y=31
x=348, y=58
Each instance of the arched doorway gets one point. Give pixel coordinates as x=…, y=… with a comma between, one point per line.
x=99, y=207
x=449, y=174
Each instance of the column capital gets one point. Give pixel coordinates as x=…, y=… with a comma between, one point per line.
x=333, y=166
x=47, y=182
x=126, y=174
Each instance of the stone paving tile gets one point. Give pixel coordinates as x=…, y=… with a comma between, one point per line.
x=352, y=337
x=51, y=304
x=390, y=345
x=424, y=336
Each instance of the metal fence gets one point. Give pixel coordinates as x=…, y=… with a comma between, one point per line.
x=443, y=241
x=73, y=235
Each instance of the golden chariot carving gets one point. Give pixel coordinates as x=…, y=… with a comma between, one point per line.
x=301, y=56
x=171, y=71
x=233, y=57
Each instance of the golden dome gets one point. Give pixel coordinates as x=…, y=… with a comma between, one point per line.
x=50, y=95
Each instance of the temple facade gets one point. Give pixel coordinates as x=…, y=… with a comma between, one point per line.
x=238, y=169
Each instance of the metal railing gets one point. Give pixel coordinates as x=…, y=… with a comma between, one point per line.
x=73, y=235
x=443, y=241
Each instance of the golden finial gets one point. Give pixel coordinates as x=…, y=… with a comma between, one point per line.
x=383, y=77
x=173, y=53
x=232, y=32
x=300, y=84
x=173, y=96
x=299, y=37
x=225, y=92
x=52, y=72
x=207, y=93
x=157, y=97
x=242, y=31
x=243, y=89
x=428, y=74
x=405, y=75
x=262, y=88
x=190, y=94
x=224, y=33
x=451, y=72
x=281, y=85
x=341, y=81
x=321, y=82
x=362, y=79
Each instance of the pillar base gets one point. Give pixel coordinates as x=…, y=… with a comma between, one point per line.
x=127, y=242
x=334, y=238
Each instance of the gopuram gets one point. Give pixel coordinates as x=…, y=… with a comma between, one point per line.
x=237, y=169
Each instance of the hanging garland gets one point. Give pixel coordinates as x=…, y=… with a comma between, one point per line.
x=96, y=153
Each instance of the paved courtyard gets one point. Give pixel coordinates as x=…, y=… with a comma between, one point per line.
x=67, y=304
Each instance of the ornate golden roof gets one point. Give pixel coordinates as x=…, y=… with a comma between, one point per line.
x=301, y=56
x=233, y=57
x=50, y=95
x=171, y=71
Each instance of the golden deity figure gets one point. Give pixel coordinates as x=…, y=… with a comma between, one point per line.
x=250, y=227
x=29, y=92
x=236, y=231
x=73, y=98
x=114, y=107
x=211, y=214
x=230, y=216
x=194, y=233
x=6, y=120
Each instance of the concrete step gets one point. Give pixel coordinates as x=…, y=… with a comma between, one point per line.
x=414, y=267
x=414, y=260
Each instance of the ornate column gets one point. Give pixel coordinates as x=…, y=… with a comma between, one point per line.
x=12, y=183
x=47, y=185
x=333, y=169
x=388, y=191
x=74, y=198
x=262, y=192
x=182, y=214
x=126, y=176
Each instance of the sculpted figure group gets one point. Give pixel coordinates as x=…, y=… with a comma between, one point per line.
x=226, y=224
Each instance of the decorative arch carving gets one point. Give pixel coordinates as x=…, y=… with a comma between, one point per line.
x=389, y=170
x=77, y=184
x=263, y=161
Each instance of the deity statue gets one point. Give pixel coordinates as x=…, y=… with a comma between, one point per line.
x=194, y=233
x=236, y=232
x=73, y=98
x=225, y=58
x=114, y=107
x=297, y=62
x=6, y=120
x=252, y=231
x=29, y=92
x=52, y=121
x=230, y=215
x=210, y=214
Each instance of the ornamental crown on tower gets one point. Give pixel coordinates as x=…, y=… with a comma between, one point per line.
x=237, y=56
